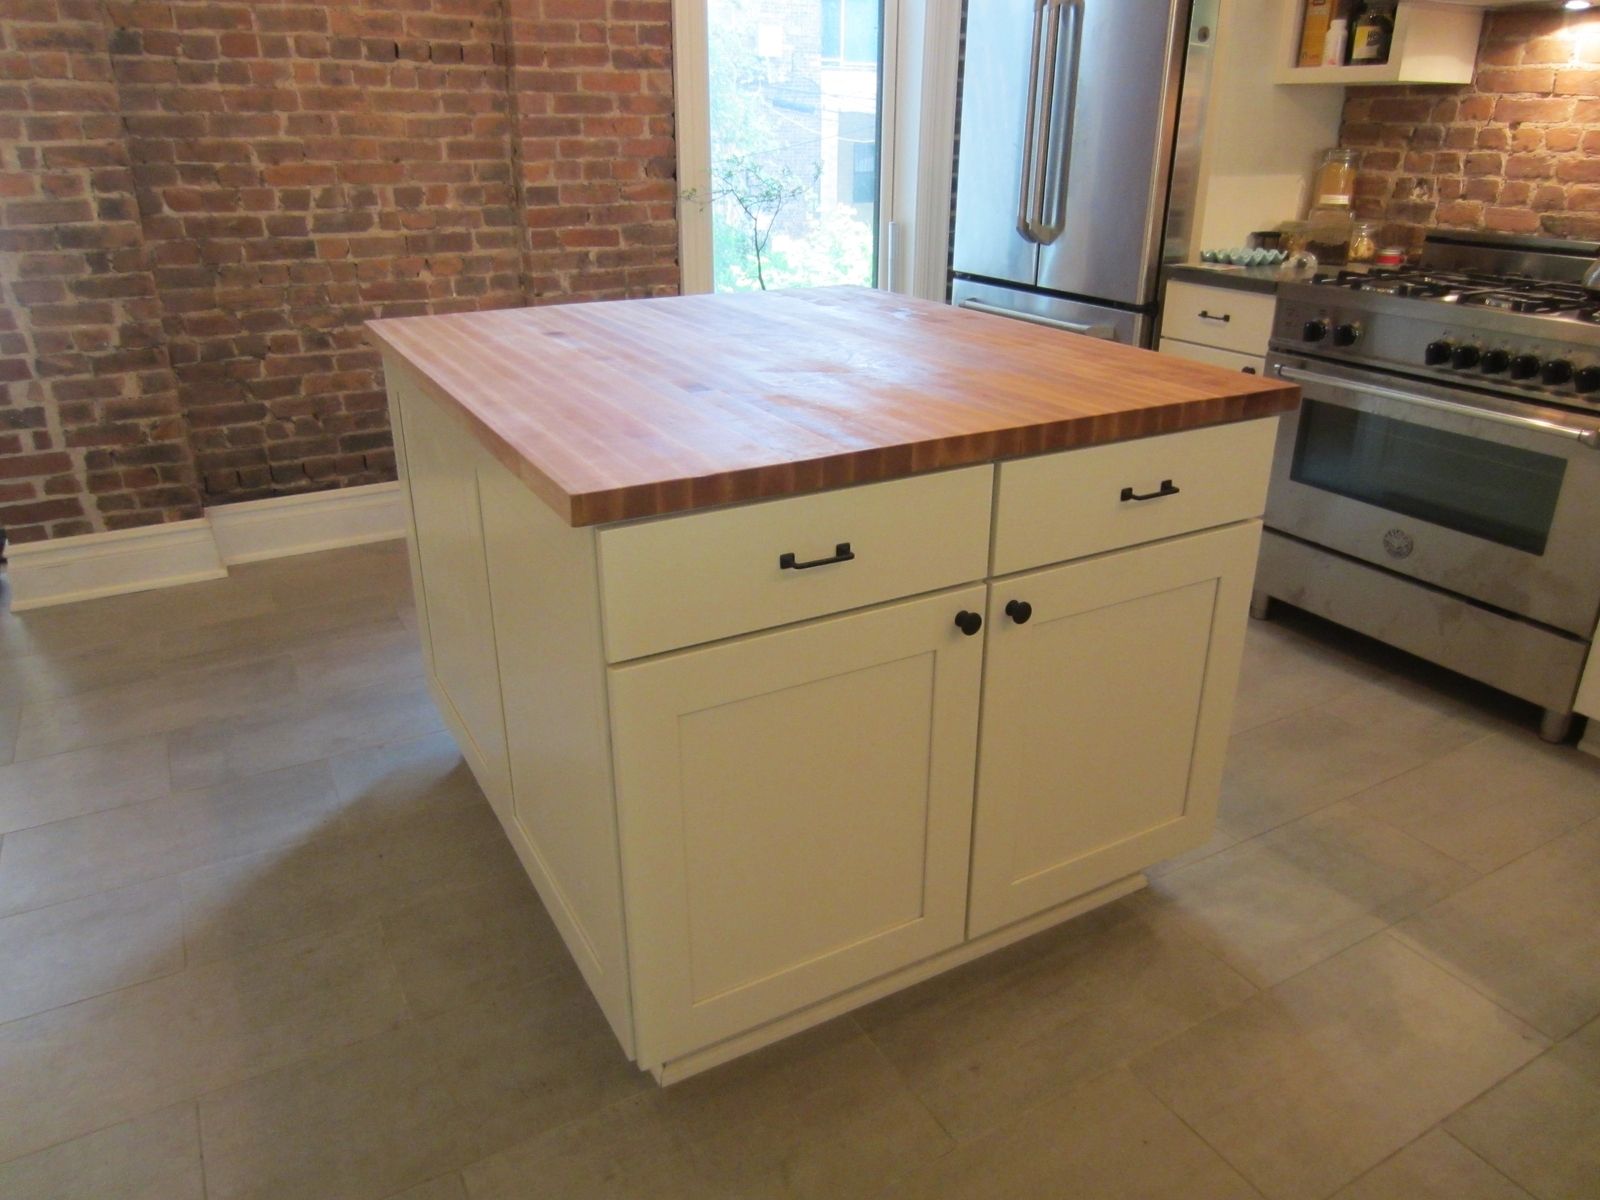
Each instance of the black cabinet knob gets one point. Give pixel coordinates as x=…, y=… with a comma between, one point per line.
x=1436, y=354
x=1346, y=334
x=1314, y=331
x=1587, y=379
x=1019, y=611
x=1524, y=366
x=968, y=622
x=1463, y=357
x=1557, y=370
x=1494, y=362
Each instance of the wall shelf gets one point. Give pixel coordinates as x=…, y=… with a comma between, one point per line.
x=1433, y=43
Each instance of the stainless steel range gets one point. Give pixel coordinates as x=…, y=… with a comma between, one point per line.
x=1439, y=488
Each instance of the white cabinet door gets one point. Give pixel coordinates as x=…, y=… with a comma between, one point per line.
x=441, y=459
x=1105, y=718
x=795, y=812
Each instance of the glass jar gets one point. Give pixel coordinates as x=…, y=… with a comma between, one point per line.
x=1363, y=246
x=1336, y=179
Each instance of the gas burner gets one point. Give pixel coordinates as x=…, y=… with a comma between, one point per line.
x=1525, y=302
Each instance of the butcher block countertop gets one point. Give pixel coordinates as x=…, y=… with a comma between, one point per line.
x=636, y=408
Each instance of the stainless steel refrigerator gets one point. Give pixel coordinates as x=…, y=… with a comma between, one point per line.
x=1076, y=165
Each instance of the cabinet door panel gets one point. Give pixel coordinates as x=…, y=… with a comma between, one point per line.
x=441, y=473
x=795, y=812
x=1105, y=718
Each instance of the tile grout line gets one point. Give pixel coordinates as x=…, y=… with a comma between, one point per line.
x=1200, y=1137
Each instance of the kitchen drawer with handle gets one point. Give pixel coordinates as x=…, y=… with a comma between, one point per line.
x=1226, y=317
x=1057, y=507
x=1249, y=364
x=679, y=581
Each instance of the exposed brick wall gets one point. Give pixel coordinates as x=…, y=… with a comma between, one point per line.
x=1516, y=151
x=592, y=96
x=204, y=200
x=91, y=432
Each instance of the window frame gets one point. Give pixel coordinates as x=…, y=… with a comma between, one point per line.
x=916, y=142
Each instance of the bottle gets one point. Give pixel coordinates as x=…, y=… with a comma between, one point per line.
x=1333, y=46
x=1370, y=35
x=1313, y=32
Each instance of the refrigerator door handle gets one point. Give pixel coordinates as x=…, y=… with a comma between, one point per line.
x=1030, y=129
x=1016, y=314
x=1052, y=226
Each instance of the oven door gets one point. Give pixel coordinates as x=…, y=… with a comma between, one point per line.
x=1487, y=498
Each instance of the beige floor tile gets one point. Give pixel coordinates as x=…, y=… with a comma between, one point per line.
x=1012, y=1029
x=1108, y=1139
x=1220, y=839
x=68, y=629
x=299, y=729
x=39, y=790
x=10, y=719
x=1527, y=935
x=448, y=946
x=46, y=864
x=1286, y=671
x=1309, y=1085
x=377, y=570
x=69, y=952
x=27, y=678
x=821, y=1115
x=1281, y=902
x=1542, y=1126
x=78, y=1068
x=297, y=627
x=168, y=700
x=399, y=781
x=416, y=1102
x=1434, y=1167
x=1305, y=761
x=1492, y=801
x=446, y=1187
x=388, y=654
x=309, y=888
x=154, y=1157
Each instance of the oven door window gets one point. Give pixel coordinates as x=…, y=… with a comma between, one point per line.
x=1480, y=487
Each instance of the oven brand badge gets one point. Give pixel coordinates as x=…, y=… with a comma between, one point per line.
x=1397, y=543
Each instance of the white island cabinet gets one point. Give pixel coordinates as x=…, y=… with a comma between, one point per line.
x=766, y=761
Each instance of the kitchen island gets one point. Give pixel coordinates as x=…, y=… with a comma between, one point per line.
x=809, y=643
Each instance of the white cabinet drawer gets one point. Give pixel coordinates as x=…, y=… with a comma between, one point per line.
x=1225, y=317
x=1063, y=506
x=680, y=581
x=1251, y=364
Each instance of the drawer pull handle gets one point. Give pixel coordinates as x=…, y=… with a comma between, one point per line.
x=1223, y=317
x=1019, y=611
x=1248, y=370
x=968, y=622
x=841, y=553
x=1168, y=488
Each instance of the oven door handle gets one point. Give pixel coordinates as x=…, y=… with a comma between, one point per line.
x=1587, y=437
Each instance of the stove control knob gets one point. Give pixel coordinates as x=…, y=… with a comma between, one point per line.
x=1437, y=353
x=1587, y=379
x=1346, y=334
x=1556, y=371
x=1524, y=366
x=1463, y=357
x=1314, y=331
x=1494, y=361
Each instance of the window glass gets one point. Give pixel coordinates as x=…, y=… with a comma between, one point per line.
x=794, y=107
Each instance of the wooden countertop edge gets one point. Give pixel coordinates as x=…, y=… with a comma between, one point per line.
x=770, y=482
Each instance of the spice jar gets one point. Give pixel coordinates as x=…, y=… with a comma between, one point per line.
x=1336, y=179
x=1363, y=246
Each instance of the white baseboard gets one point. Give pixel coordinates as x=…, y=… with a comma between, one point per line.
x=107, y=564
x=258, y=529
x=155, y=556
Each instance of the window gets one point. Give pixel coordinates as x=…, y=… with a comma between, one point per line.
x=794, y=132
x=850, y=30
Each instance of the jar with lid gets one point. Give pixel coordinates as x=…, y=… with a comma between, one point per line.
x=1336, y=179
x=1363, y=246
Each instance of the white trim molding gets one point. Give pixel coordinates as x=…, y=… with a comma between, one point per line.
x=157, y=556
x=259, y=529
x=107, y=564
